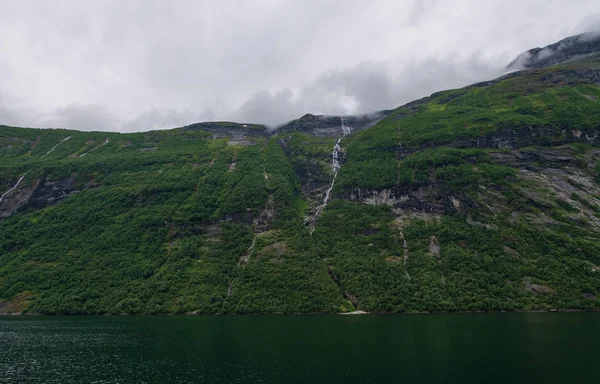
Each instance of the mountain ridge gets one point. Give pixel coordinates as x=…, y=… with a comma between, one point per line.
x=484, y=198
x=570, y=48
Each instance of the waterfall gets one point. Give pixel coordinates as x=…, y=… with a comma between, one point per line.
x=96, y=147
x=53, y=148
x=13, y=188
x=22, y=177
x=47, y=153
x=345, y=127
x=335, y=166
x=335, y=161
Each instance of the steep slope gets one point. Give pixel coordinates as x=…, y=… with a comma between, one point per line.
x=158, y=222
x=572, y=48
x=481, y=198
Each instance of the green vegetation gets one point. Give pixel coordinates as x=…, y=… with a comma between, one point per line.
x=482, y=198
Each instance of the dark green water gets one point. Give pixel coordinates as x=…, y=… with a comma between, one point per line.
x=467, y=348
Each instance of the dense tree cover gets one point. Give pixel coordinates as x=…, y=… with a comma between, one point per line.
x=179, y=221
x=477, y=268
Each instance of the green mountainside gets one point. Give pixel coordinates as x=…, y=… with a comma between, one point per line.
x=481, y=198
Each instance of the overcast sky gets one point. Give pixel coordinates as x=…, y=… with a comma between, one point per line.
x=131, y=65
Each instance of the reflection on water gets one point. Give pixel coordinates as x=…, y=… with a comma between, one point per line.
x=465, y=348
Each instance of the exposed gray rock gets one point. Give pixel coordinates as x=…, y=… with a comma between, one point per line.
x=50, y=192
x=510, y=251
x=434, y=247
x=17, y=198
x=330, y=126
x=37, y=194
x=538, y=288
x=541, y=289
x=233, y=131
x=514, y=138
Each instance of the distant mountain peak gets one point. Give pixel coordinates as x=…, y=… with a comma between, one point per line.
x=568, y=49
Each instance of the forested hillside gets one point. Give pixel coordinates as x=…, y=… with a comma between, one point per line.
x=480, y=198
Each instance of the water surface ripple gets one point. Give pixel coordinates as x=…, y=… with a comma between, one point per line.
x=463, y=348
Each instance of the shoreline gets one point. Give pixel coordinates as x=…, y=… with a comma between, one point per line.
x=354, y=313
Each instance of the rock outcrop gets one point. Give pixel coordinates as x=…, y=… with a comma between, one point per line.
x=329, y=126
x=37, y=194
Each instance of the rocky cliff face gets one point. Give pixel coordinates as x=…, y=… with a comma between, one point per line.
x=17, y=198
x=513, y=138
x=556, y=171
x=329, y=126
x=314, y=125
x=225, y=129
x=37, y=194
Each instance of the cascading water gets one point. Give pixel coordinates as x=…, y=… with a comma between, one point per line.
x=335, y=162
x=345, y=127
x=53, y=148
x=22, y=177
x=96, y=147
x=335, y=165
x=13, y=188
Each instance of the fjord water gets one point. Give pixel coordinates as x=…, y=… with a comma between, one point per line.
x=461, y=348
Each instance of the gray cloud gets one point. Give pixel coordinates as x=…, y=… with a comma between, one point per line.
x=270, y=108
x=367, y=87
x=90, y=117
x=9, y=116
x=157, y=119
x=141, y=64
x=591, y=23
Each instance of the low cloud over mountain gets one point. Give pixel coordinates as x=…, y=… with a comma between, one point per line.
x=144, y=65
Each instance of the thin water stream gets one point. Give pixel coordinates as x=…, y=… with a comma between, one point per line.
x=335, y=166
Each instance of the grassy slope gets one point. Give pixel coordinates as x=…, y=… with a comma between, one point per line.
x=520, y=244
x=166, y=230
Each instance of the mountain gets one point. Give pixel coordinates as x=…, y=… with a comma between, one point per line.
x=585, y=45
x=484, y=198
